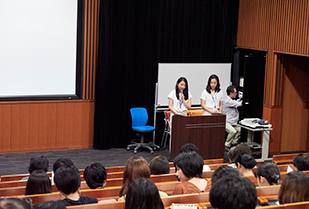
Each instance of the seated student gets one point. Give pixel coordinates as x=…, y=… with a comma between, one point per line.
x=189, y=147
x=159, y=165
x=237, y=150
x=37, y=163
x=67, y=180
x=38, y=183
x=294, y=188
x=62, y=162
x=95, y=176
x=189, y=170
x=267, y=174
x=244, y=164
x=50, y=205
x=223, y=171
x=233, y=192
x=301, y=162
x=136, y=167
x=143, y=194
x=12, y=203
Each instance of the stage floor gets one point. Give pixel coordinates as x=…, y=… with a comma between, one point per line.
x=18, y=163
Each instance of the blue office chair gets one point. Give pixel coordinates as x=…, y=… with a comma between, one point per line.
x=139, y=119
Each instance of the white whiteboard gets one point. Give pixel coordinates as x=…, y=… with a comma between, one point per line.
x=38, y=47
x=197, y=75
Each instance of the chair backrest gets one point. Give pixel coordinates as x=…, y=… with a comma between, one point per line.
x=167, y=114
x=139, y=116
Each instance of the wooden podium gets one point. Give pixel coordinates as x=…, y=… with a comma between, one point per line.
x=206, y=132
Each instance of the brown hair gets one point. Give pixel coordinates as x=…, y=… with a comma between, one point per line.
x=159, y=165
x=294, y=188
x=136, y=167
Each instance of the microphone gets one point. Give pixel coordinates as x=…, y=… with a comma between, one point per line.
x=180, y=101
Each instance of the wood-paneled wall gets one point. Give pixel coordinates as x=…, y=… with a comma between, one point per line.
x=46, y=125
x=52, y=125
x=279, y=27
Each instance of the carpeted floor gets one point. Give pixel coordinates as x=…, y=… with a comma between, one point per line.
x=18, y=163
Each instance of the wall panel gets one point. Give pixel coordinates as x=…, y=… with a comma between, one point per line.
x=33, y=126
x=5, y=126
x=75, y=125
x=280, y=27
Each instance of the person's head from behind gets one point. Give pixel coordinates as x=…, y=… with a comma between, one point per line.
x=95, y=176
x=50, y=205
x=231, y=91
x=67, y=179
x=15, y=203
x=233, y=192
x=38, y=163
x=294, y=188
x=143, y=194
x=244, y=164
x=222, y=172
x=159, y=165
x=182, y=86
x=136, y=167
x=213, y=84
x=62, y=162
x=301, y=162
x=267, y=174
x=188, y=165
x=241, y=149
x=189, y=147
x=38, y=183
x=230, y=154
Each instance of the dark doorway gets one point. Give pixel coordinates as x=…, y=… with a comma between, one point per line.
x=248, y=75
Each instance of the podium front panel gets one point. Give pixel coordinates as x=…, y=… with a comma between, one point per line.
x=205, y=132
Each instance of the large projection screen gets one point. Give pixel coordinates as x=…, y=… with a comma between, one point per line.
x=197, y=75
x=38, y=48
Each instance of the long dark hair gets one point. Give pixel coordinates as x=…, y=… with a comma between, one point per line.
x=185, y=91
x=38, y=183
x=143, y=194
x=208, y=87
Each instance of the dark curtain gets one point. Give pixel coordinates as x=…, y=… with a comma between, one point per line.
x=137, y=35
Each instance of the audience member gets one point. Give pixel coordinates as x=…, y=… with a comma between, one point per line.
x=294, y=188
x=189, y=170
x=136, y=167
x=230, y=157
x=143, y=194
x=38, y=183
x=267, y=174
x=159, y=165
x=301, y=162
x=38, y=163
x=233, y=192
x=62, y=162
x=95, y=176
x=12, y=203
x=50, y=205
x=223, y=171
x=189, y=147
x=244, y=164
x=67, y=180
x=241, y=149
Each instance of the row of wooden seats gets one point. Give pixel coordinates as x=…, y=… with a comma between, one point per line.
x=108, y=170
x=287, y=158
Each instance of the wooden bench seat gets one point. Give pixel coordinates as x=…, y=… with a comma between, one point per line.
x=286, y=158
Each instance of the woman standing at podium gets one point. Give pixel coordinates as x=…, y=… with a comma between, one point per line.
x=211, y=98
x=179, y=100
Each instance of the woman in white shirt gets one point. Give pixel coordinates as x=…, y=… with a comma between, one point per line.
x=179, y=100
x=211, y=98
